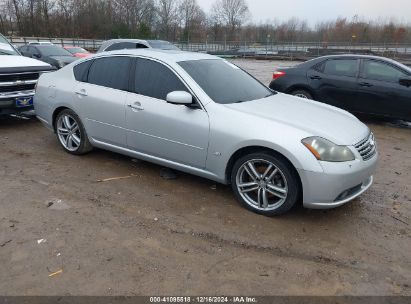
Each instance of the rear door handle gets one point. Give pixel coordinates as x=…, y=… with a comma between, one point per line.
x=136, y=106
x=366, y=84
x=316, y=77
x=82, y=92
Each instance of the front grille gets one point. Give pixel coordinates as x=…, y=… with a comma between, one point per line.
x=17, y=77
x=367, y=147
x=17, y=88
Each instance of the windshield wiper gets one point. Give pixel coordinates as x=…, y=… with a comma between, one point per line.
x=4, y=53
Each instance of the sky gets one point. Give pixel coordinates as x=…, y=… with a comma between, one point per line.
x=314, y=11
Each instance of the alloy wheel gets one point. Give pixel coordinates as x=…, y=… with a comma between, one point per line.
x=262, y=185
x=68, y=132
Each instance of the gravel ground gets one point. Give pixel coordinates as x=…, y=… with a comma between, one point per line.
x=145, y=235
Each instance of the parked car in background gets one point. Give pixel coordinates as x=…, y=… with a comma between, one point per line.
x=122, y=44
x=77, y=51
x=18, y=77
x=50, y=53
x=203, y=115
x=6, y=48
x=356, y=83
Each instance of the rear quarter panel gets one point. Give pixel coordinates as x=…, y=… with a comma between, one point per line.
x=54, y=90
x=295, y=78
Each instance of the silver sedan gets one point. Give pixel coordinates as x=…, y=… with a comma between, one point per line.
x=203, y=115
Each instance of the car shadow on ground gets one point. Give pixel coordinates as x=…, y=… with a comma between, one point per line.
x=12, y=121
x=219, y=193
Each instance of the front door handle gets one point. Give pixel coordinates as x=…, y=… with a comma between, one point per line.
x=315, y=77
x=136, y=107
x=366, y=84
x=82, y=92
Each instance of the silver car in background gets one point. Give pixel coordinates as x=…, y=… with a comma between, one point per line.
x=203, y=115
x=122, y=44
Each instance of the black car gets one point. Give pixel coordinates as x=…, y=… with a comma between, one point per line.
x=356, y=83
x=50, y=53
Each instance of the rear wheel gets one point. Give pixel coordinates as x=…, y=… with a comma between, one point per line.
x=265, y=184
x=71, y=133
x=302, y=94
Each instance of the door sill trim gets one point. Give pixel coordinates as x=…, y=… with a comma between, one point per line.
x=160, y=161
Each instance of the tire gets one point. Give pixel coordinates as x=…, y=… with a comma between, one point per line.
x=280, y=185
x=71, y=133
x=302, y=94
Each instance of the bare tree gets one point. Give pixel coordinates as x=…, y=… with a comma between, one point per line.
x=231, y=13
x=167, y=17
x=183, y=20
x=192, y=15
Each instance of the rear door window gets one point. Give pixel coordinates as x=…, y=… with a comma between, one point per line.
x=32, y=50
x=377, y=70
x=81, y=70
x=319, y=67
x=341, y=67
x=155, y=80
x=110, y=72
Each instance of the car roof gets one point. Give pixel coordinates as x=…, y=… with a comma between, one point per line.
x=162, y=55
x=45, y=45
x=110, y=42
x=40, y=43
x=125, y=40
x=357, y=56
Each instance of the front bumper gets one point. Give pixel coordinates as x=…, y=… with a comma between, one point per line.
x=8, y=104
x=339, y=184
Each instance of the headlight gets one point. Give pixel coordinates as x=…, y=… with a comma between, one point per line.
x=325, y=150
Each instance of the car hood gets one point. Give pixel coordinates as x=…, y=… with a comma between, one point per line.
x=313, y=117
x=65, y=59
x=14, y=61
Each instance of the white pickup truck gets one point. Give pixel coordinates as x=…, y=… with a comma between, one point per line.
x=18, y=78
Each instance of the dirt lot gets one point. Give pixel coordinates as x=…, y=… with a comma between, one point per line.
x=147, y=236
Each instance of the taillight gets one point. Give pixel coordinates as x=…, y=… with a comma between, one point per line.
x=278, y=74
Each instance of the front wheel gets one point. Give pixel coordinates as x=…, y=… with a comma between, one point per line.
x=71, y=133
x=265, y=184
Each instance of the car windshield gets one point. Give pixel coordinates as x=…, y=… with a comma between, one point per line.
x=163, y=45
x=224, y=82
x=76, y=50
x=52, y=50
x=6, y=48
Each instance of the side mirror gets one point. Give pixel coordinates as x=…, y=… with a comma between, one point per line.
x=36, y=55
x=406, y=81
x=179, y=98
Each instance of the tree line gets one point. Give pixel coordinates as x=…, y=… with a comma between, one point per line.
x=182, y=20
